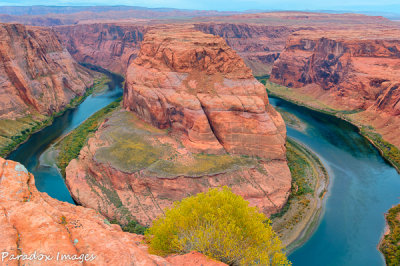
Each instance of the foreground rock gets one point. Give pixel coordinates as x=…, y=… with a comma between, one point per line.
x=196, y=110
x=32, y=221
x=350, y=70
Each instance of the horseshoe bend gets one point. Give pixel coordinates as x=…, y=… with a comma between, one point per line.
x=152, y=136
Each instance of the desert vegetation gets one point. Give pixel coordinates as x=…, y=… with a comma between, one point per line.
x=219, y=224
x=390, y=245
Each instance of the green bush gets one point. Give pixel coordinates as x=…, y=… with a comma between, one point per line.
x=70, y=146
x=220, y=225
x=390, y=245
x=131, y=226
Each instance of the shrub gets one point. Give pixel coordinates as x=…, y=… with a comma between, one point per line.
x=390, y=245
x=220, y=225
x=131, y=226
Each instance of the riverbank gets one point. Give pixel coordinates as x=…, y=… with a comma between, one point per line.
x=390, y=243
x=388, y=151
x=69, y=147
x=16, y=132
x=300, y=216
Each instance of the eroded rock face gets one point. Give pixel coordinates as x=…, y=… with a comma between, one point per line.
x=348, y=70
x=193, y=109
x=37, y=74
x=194, y=83
x=109, y=45
x=258, y=45
x=132, y=170
x=31, y=221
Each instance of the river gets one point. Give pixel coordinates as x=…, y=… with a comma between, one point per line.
x=362, y=185
x=48, y=178
x=362, y=188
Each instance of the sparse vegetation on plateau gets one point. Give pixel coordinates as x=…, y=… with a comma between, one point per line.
x=203, y=163
x=219, y=224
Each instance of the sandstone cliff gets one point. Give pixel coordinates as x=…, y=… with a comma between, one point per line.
x=196, y=111
x=109, y=45
x=352, y=70
x=258, y=45
x=31, y=222
x=37, y=74
x=196, y=84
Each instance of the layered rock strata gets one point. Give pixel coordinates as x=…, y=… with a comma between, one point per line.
x=196, y=84
x=347, y=70
x=196, y=119
x=37, y=74
x=258, y=45
x=112, y=46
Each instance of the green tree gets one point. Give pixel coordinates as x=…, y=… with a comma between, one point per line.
x=219, y=224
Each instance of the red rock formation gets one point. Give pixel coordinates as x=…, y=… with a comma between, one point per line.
x=110, y=175
x=348, y=70
x=31, y=221
x=258, y=45
x=194, y=83
x=37, y=74
x=109, y=45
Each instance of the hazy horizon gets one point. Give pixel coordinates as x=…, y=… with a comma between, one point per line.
x=366, y=6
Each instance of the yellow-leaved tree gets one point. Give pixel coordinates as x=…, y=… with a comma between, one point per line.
x=219, y=224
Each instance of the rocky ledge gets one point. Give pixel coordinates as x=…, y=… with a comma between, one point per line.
x=40, y=229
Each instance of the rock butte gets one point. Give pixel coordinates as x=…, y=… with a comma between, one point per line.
x=37, y=74
x=32, y=221
x=198, y=88
x=347, y=70
x=196, y=84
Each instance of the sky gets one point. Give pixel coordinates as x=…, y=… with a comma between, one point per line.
x=233, y=5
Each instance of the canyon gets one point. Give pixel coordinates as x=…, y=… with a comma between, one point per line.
x=38, y=77
x=193, y=116
x=326, y=57
x=34, y=224
x=112, y=46
x=187, y=96
x=353, y=71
